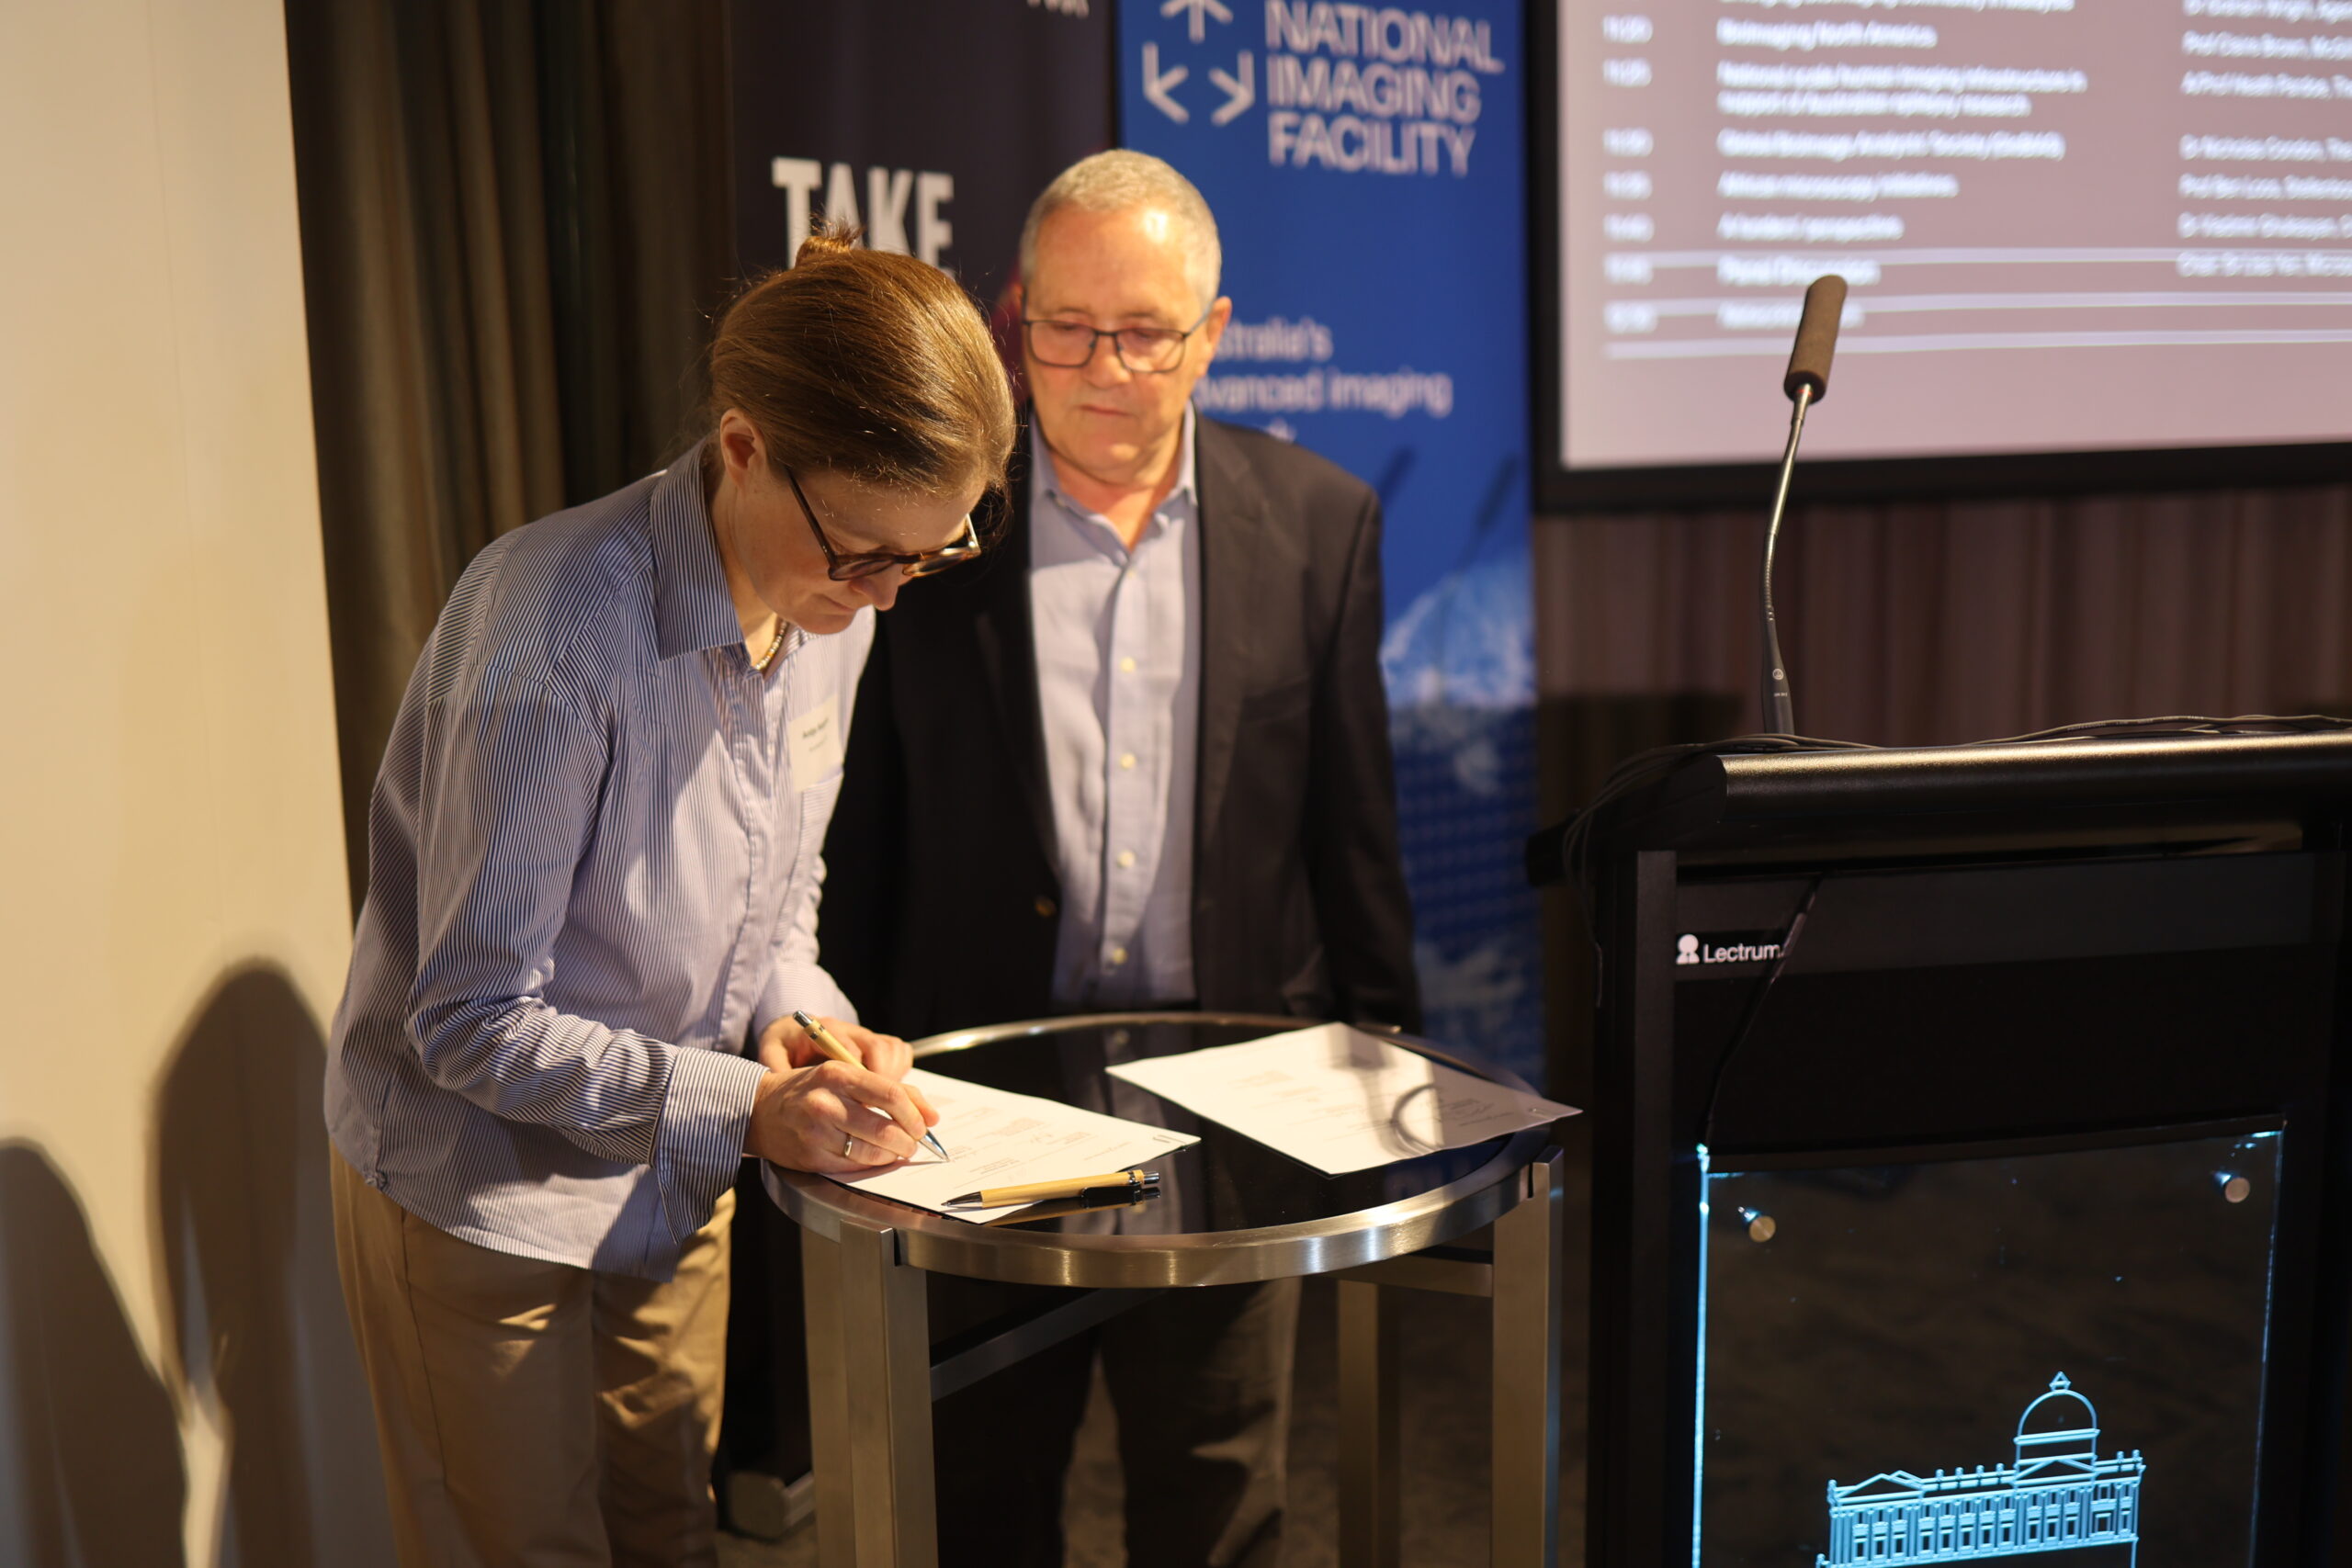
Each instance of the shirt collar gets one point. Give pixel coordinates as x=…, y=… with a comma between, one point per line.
x=692, y=606
x=1041, y=463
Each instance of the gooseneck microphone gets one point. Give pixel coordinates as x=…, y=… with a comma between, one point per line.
x=1806, y=383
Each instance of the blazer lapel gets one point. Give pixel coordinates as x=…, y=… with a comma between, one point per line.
x=1231, y=509
x=1008, y=651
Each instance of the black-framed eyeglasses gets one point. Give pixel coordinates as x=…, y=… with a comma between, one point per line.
x=1147, y=351
x=867, y=563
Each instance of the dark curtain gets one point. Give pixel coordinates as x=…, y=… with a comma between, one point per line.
x=516, y=222
x=1928, y=623
x=1924, y=624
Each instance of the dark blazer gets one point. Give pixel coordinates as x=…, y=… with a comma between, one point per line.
x=942, y=903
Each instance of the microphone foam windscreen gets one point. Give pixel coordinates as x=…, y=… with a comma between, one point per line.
x=1825, y=302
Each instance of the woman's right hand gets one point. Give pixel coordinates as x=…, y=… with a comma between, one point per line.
x=804, y=1118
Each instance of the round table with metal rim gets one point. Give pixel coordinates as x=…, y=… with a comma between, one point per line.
x=1482, y=1221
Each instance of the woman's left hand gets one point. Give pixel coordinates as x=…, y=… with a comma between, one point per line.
x=785, y=1045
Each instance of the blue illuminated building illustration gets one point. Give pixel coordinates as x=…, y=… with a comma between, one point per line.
x=2058, y=1496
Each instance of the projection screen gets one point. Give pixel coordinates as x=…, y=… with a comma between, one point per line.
x=2069, y=226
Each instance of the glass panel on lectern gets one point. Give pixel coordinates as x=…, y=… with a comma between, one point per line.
x=2054, y=1358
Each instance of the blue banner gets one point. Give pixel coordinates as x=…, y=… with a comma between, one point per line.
x=1366, y=167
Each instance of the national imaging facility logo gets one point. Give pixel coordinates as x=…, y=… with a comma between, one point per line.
x=1355, y=89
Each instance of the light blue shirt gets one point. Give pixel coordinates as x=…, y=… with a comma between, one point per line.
x=1118, y=642
x=594, y=875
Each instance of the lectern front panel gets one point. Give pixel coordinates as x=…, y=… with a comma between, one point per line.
x=2054, y=1356
x=1925, y=1080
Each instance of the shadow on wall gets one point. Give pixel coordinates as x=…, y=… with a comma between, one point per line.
x=260, y=1342
x=90, y=1466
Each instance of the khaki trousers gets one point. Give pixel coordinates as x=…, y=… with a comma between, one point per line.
x=534, y=1414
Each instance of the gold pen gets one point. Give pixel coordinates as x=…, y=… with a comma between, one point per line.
x=841, y=1052
x=1062, y=1208
x=1117, y=1185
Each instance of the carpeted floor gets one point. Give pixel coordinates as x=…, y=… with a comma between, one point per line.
x=1446, y=1394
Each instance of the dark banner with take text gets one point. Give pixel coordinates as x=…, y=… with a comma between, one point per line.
x=930, y=123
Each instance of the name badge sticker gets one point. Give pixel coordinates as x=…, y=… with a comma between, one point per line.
x=816, y=741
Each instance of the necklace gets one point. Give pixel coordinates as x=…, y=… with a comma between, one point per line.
x=774, y=644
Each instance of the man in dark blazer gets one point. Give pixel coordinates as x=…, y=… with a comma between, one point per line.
x=1136, y=757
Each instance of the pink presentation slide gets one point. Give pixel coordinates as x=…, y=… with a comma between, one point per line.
x=2067, y=225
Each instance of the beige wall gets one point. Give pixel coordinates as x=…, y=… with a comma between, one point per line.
x=176, y=1378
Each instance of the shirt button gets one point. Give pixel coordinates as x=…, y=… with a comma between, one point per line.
x=1127, y=666
x=1045, y=908
x=1126, y=859
x=1118, y=956
x=1127, y=758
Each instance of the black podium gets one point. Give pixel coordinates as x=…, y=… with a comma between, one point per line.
x=1970, y=1156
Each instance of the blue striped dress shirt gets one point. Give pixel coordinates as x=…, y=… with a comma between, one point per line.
x=1118, y=642
x=593, y=878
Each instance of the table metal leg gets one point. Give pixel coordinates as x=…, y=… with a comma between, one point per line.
x=1527, y=1286
x=869, y=1402
x=1369, y=1462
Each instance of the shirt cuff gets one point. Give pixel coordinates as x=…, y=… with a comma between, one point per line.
x=803, y=986
x=705, y=1114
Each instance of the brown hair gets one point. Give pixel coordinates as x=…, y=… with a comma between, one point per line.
x=867, y=364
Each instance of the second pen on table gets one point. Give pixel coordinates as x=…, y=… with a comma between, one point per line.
x=1119, y=1186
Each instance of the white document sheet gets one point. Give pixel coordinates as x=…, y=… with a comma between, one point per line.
x=1338, y=1099
x=1000, y=1139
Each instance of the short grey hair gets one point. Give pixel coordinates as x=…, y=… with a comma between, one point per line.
x=1120, y=180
